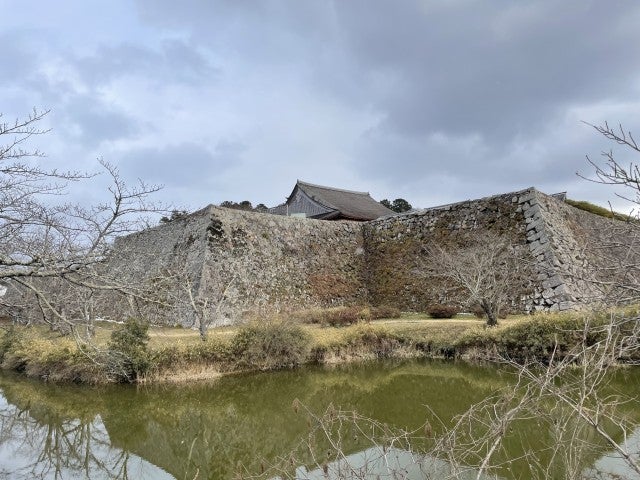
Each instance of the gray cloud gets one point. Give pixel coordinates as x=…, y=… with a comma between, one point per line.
x=188, y=165
x=494, y=68
x=174, y=61
x=267, y=32
x=90, y=121
x=19, y=58
x=440, y=99
x=462, y=67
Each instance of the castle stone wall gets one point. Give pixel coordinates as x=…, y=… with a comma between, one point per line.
x=397, y=248
x=241, y=265
x=582, y=257
x=230, y=265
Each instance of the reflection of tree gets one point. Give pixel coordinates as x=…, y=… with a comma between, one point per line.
x=247, y=420
x=47, y=446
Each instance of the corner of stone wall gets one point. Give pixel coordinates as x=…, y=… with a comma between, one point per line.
x=552, y=291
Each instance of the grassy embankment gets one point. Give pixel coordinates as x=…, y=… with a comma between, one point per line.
x=175, y=354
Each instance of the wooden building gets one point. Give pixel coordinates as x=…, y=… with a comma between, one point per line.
x=326, y=203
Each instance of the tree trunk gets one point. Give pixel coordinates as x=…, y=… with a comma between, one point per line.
x=492, y=316
x=202, y=327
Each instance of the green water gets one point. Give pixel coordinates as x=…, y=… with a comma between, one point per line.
x=209, y=431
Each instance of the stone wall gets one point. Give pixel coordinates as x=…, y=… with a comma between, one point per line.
x=265, y=263
x=240, y=265
x=582, y=258
x=397, y=248
x=576, y=257
x=232, y=265
x=158, y=265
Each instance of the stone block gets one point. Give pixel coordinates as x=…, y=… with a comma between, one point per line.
x=534, y=224
x=560, y=289
x=537, y=249
x=552, y=282
x=533, y=211
x=526, y=197
x=533, y=235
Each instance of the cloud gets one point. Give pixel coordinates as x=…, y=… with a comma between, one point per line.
x=460, y=69
x=436, y=73
x=186, y=164
x=174, y=61
x=430, y=100
x=90, y=121
x=19, y=59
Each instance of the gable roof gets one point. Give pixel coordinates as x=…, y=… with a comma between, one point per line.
x=344, y=203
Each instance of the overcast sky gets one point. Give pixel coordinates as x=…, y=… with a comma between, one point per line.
x=434, y=101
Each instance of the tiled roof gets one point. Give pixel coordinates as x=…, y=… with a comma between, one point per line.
x=345, y=203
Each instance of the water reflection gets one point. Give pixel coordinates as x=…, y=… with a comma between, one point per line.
x=378, y=463
x=611, y=465
x=238, y=423
x=44, y=448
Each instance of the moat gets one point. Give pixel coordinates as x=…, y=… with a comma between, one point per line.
x=242, y=423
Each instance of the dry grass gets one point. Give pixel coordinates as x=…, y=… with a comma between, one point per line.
x=159, y=336
x=179, y=355
x=416, y=325
x=413, y=325
x=410, y=324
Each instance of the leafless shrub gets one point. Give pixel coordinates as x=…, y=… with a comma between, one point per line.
x=490, y=271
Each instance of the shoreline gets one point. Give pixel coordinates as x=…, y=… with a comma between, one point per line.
x=31, y=352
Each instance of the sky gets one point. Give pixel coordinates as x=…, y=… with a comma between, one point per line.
x=434, y=101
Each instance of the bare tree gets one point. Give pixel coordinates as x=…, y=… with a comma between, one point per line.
x=61, y=447
x=490, y=271
x=568, y=398
x=569, y=395
x=612, y=171
x=175, y=291
x=41, y=238
x=619, y=250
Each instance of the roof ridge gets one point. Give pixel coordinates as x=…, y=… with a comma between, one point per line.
x=300, y=182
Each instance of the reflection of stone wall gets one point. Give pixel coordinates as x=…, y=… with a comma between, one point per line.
x=245, y=264
x=206, y=431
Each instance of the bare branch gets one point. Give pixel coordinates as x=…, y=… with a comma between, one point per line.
x=491, y=271
x=43, y=240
